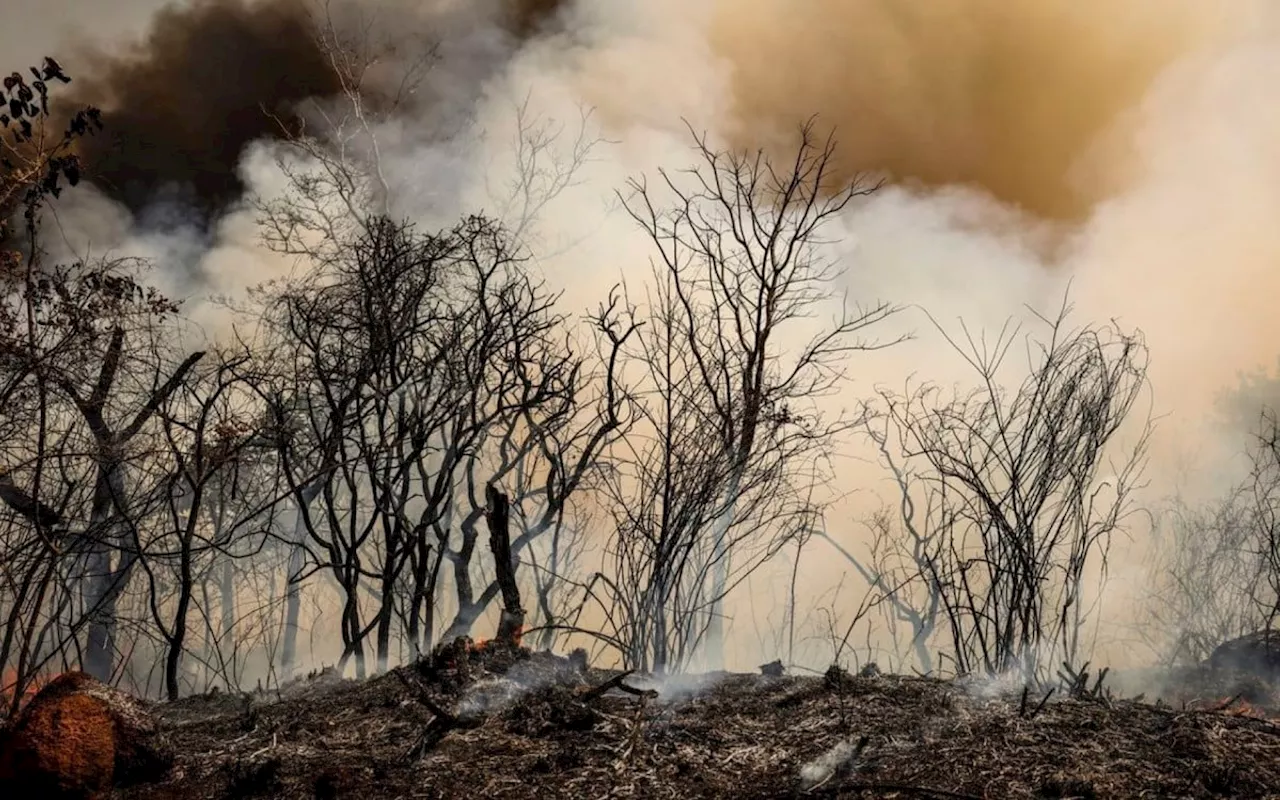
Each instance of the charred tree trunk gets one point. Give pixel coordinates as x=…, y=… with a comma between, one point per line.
x=293, y=592
x=173, y=659
x=511, y=623
x=105, y=579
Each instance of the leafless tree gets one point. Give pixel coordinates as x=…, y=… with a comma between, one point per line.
x=740, y=271
x=1215, y=574
x=96, y=375
x=209, y=516
x=1208, y=580
x=369, y=337
x=1264, y=486
x=545, y=454
x=425, y=368
x=1004, y=495
x=490, y=385
x=547, y=163
x=112, y=547
x=39, y=327
x=891, y=568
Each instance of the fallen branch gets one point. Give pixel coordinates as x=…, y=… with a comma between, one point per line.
x=616, y=682
x=1024, y=711
x=441, y=724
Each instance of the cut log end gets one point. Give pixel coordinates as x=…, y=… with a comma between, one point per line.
x=79, y=738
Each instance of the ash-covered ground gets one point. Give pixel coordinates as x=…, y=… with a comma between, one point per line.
x=506, y=723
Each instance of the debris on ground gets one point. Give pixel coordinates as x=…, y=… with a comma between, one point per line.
x=493, y=720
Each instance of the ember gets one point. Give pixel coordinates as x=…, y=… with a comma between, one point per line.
x=482, y=644
x=1236, y=707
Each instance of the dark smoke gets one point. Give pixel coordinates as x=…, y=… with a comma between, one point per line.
x=181, y=105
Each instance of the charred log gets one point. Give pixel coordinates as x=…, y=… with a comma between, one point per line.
x=81, y=738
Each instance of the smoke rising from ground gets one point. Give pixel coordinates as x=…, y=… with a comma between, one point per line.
x=1128, y=148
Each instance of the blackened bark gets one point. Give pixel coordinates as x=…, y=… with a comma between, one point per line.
x=498, y=516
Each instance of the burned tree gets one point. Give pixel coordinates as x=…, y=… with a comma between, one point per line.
x=891, y=572
x=733, y=365
x=1004, y=492
x=474, y=383
x=413, y=358
x=369, y=337
x=1216, y=572
x=210, y=514
x=95, y=373
x=545, y=454
x=1208, y=577
x=498, y=517
x=112, y=542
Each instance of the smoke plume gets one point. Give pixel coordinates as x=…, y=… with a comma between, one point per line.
x=207, y=79
x=1012, y=98
x=1127, y=147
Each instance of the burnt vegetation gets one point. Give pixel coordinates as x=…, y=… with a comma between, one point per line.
x=293, y=540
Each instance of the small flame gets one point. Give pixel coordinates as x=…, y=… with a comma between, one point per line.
x=1236, y=707
x=482, y=644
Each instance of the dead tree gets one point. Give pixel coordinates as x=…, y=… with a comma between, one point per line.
x=36, y=162
x=209, y=428
x=1264, y=492
x=1215, y=575
x=1208, y=579
x=112, y=554
x=1008, y=493
x=367, y=338
x=666, y=495
x=485, y=368
x=740, y=272
x=544, y=453
x=890, y=570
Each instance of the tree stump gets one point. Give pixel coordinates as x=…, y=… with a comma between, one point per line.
x=77, y=739
x=511, y=623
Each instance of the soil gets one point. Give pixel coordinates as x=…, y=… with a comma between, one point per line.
x=506, y=723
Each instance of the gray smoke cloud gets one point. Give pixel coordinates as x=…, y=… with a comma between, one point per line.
x=1127, y=148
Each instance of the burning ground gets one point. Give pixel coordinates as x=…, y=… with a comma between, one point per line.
x=498, y=722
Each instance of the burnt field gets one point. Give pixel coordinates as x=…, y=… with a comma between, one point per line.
x=492, y=723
